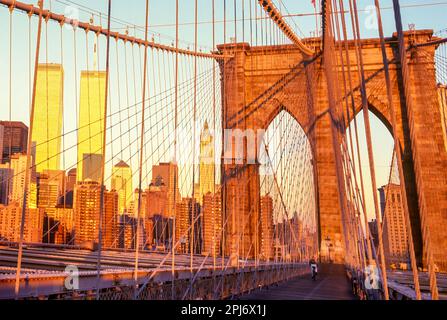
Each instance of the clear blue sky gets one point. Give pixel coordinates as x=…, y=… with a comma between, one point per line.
x=162, y=18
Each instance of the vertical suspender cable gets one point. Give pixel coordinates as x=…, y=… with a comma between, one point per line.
x=397, y=150
x=28, y=155
x=245, y=251
x=63, y=121
x=222, y=166
x=10, y=176
x=101, y=210
x=119, y=97
x=350, y=82
x=75, y=66
x=193, y=213
x=256, y=253
x=330, y=67
x=47, y=103
x=362, y=190
x=128, y=99
x=29, y=59
x=356, y=29
x=406, y=79
x=237, y=249
x=214, y=245
x=175, y=143
x=346, y=152
x=317, y=33
x=140, y=178
x=88, y=95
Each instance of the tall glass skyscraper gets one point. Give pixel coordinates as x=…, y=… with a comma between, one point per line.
x=91, y=124
x=48, y=116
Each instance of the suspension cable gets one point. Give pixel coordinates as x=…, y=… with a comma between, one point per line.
x=137, y=246
x=405, y=75
x=398, y=152
x=104, y=141
x=28, y=158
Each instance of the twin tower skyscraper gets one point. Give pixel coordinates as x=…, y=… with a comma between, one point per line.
x=48, y=121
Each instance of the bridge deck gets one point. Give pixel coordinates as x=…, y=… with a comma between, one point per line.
x=331, y=284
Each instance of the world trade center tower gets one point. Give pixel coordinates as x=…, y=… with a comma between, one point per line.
x=48, y=116
x=91, y=124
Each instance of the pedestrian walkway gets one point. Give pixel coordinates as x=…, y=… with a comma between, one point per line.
x=331, y=284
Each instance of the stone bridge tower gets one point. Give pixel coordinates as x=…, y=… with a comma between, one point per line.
x=260, y=82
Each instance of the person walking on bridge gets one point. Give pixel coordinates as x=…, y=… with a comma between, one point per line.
x=313, y=268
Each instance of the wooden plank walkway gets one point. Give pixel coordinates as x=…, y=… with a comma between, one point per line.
x=331, y=284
